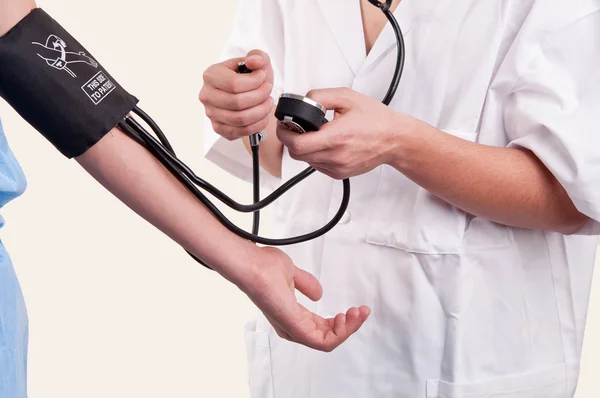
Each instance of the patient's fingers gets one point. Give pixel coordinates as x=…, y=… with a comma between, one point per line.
x=316, y=332
x=331, y=333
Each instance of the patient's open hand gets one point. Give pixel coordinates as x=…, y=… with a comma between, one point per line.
x=273, y=291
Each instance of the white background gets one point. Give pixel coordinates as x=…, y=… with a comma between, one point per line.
x=116, y=309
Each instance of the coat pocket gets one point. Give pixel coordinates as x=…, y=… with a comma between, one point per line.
x=258, y=352
x=550, y=383
x=407, y=217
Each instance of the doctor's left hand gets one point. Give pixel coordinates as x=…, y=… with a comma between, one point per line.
x=363, y=135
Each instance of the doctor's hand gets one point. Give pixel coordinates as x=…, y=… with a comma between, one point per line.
x=273, y=291
x=362, y=136
x=239, y=105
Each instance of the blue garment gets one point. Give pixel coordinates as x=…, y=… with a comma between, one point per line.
x=13, y=314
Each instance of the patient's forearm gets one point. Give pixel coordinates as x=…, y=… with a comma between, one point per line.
x=133, y=175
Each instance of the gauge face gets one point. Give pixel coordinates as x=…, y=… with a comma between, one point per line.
x=291, y=125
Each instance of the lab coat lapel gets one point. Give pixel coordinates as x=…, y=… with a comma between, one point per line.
x=408, y=13
x=345, y=22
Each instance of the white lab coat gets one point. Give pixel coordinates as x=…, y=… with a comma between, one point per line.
x=461, y=307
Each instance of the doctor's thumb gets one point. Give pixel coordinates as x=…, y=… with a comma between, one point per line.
x=307, y=284
x=257, y=59
x=332, y=99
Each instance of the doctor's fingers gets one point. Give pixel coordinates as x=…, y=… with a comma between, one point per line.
x=338, y=99
x=242, y=118
x=337, y=173
x=233, y=133
x=257, y=59
x=333, y=164
x=212, y=96
x=314, y=141
x=333, y=158
x=224, y=78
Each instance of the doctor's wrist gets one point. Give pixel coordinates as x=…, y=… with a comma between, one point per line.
x=404, y=141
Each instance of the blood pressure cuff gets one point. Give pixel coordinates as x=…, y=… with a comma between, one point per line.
x=56, y=85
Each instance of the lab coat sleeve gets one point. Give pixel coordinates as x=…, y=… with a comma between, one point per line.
x=258, y=24
x=554, y=111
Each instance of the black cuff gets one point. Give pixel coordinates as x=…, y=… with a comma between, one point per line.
x=55, y=84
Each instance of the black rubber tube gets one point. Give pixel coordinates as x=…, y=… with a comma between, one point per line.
x=164, y=152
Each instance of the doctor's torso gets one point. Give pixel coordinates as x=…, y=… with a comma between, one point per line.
x=461, y=306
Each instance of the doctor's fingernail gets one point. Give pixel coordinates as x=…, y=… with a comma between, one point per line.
x=254, y=58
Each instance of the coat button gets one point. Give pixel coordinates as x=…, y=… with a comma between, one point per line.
x=346, y=218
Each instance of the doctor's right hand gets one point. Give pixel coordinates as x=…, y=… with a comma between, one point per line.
x=273, y=288
x=239, y=105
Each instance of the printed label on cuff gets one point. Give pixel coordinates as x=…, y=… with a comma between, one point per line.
x=98, y=87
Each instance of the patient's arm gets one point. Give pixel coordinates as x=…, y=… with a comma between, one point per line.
x=266, y=275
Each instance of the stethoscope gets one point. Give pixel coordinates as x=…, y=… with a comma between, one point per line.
x=298, y=113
